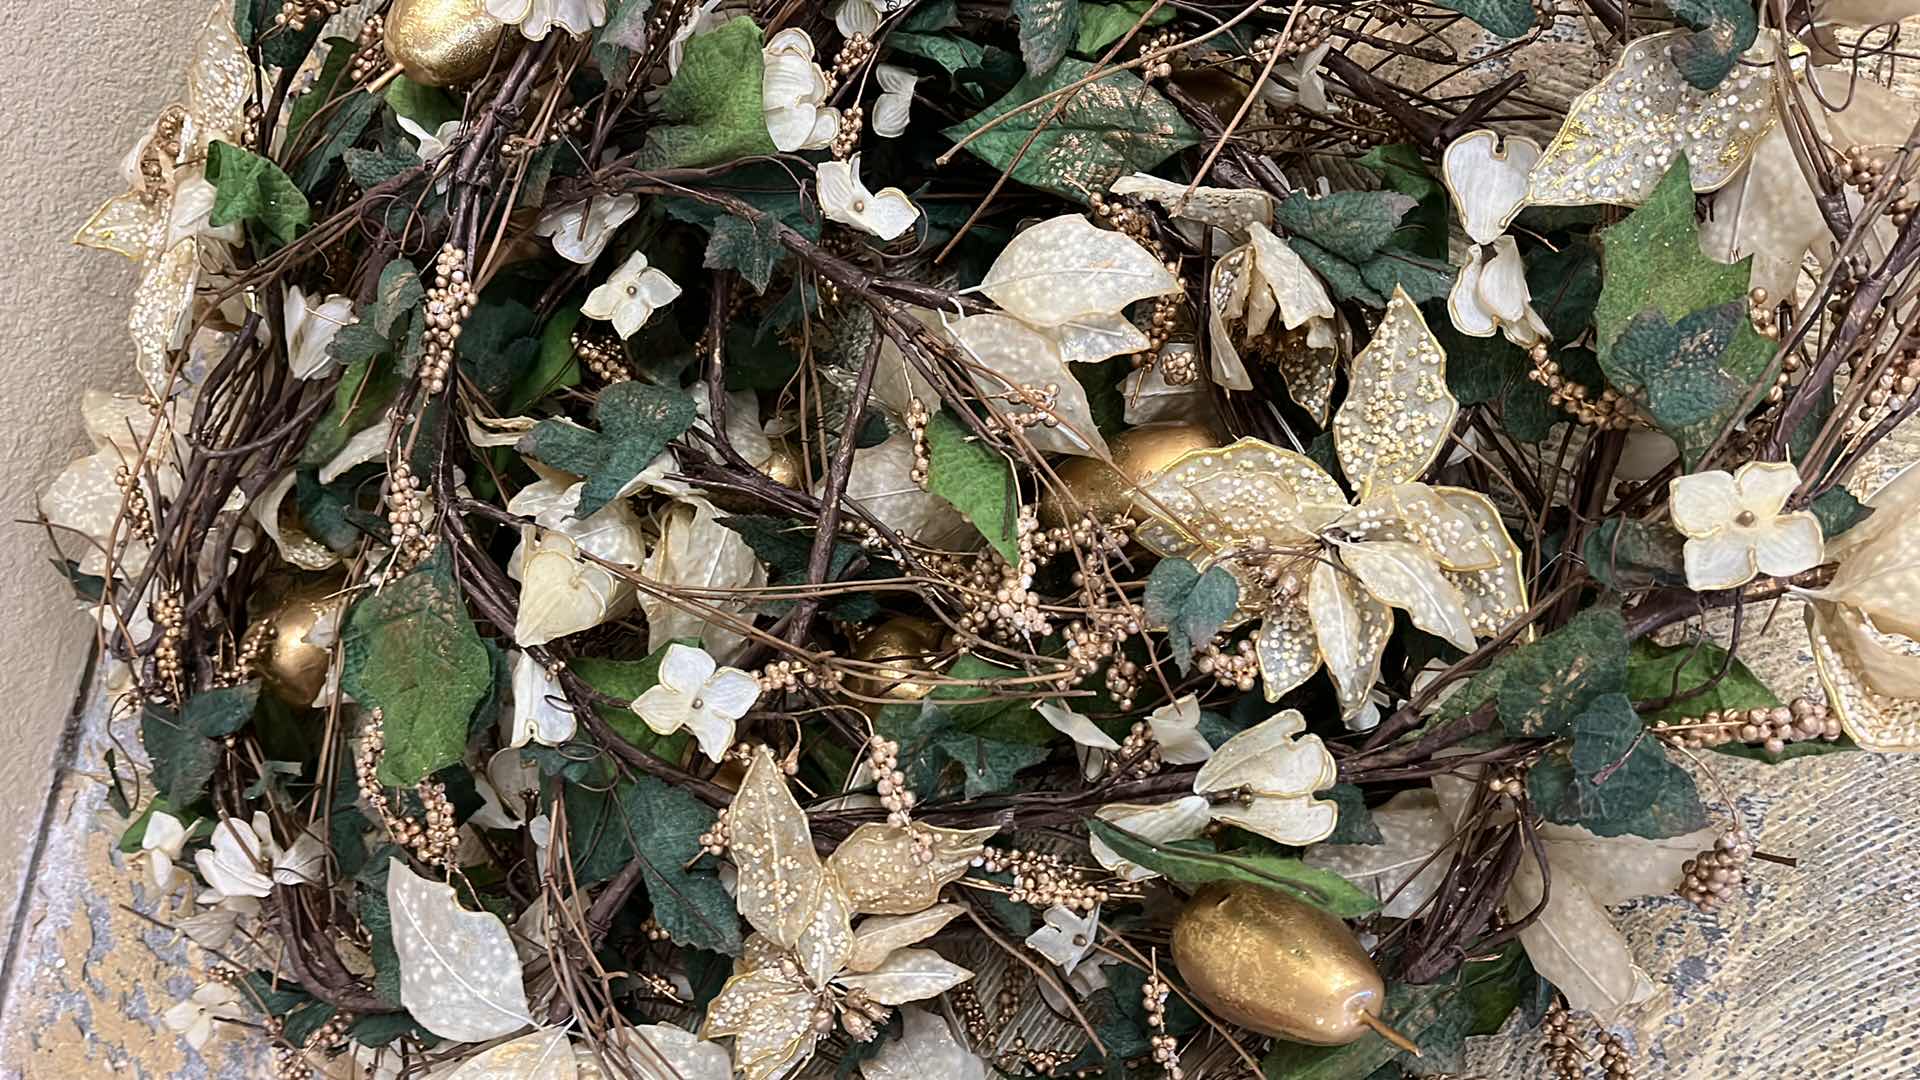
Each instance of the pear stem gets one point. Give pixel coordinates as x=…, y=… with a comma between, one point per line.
x=1381, y=1029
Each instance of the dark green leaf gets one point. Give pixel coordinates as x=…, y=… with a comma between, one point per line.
x=1355, y=824
x=1047, y=28
x=382, y=1029
x=343, y=125
x=1659, y=672
x=1617, y=779
x=1115, y=126
x=636, y=419
x=625, y=31
x=339, y=57
x=1680, y=374
x=1626, y=554
x=1507, y=18
x=554, y=368
x=1192, y=605
x=1565, y=284
x=987, y=765
x=1544, y=685
x=976, y=480
x=1401, y=168
x=1839, y=511
x=428, y=106
x=411, y=651
x=750, y=246
x=1004, y=720
x=956, y=54
x=1195, y=862
x=249, y=188
x=785, y=545
x=713, y=105
x=647, y=819
x=219, y=713
x=1722, y=30
x=1352, y=225
x=183, y=759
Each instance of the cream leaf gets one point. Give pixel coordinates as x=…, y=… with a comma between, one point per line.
x=1065, y=268
x=1023, y=369
x=1406, y=576
x=882, y=484
x=1488, y=181
x=1352, y=628
x=700, y=557
x=1182, y=819
x=1407, y=867
x=1574, y=945
x=769, y=1016
x=925, y=1050
x=907, y=975
x=881, y=866
x=459, y=975
x=1075, y=726
x=543, y=1055
x=878, y=936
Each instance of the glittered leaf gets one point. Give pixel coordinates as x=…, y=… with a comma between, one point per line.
x=410, y=650
x=459, y=975
x=1352, y=629
x=1407, y=576
x=770, y=1017
x=1289, y=652
x=1110, y=128
x=1247, y=495
x=713, y=105
x=1398, y=412
x=543, y=1055
x=1065, y=268
x=1617, y=781
x=1620, y=136
x=1015, y=355
x=879, y=936
x=1195, y=862
x=251, y=189
x=781, y=876
x=882, y=870
x=636, y=419
x=977, y=480
x=1544, y=685
x=1047, y=29
x=907, y=975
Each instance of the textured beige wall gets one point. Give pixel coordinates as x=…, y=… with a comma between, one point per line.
x=78, y=83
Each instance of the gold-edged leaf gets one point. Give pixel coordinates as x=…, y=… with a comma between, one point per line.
x=781, y=876
x=1398, y=412
x=459, y=975
x=770, y=1018
x=828, y=939
x=1407, y=576
x=879, y=935
x=1352, y=629
x=1307, y=357
x=1288, y=650
x=1228, y=285
x=1621, y=135
x=886, y=872
x=1250, y=496
x=1495, y=595
x=1419, y=514
x=907, y=975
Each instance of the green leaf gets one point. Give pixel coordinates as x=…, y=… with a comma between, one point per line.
x=987, y=766
x=1625, y=554
x=624, y=32
x=1047, y=28
x=1401, y=168
x=400, y=291
x=1617, y=780
x=343, y=125
x=645, y=818
x=750, y=246
x=1679, y=372
x=1544, y=685
x=1507, y=18
x=427, y=106
x=1839, y=511
x=713, y=104
x=411, y=651
x=1657, y=672
x=1115, y=126
x=976, y=480
x=1005, y=720
x=629, y=679
x=1103, y=24
x=183, y=759
x=1722, y=30
x=1652, y=261
x=219, y=713
x=249, y=188
x=1192, y=605
x=955, y=54
x=1565, y=284
x=1355, y=824
x=359, y=398
x=554, y=368
x=636, y=419
x=785, y=545
x=339, y=57
x=1350, y=239
x=1195, y=862
x=931, y=748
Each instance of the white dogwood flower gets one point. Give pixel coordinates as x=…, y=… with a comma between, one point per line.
x=1176, y=727
x=580, y=232
x=892, y=107
x=845, y=198
x=536, y=17
x=793, y=94
x=232, y=866
x=1735, y=529
x=631, y=295
x=697, y=694
x=310, y=328
x=163, y=842
x=1493, y=296
x=1066, y=937
x=540, y=712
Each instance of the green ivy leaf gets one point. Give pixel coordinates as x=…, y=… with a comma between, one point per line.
x=249, y=188
x=219, y=713
x=713, y=105
x=359, y=398
x=1103, y=24
x=987, y=766
x=339, y=57
x=1005, y=720
x=1680, y=373
x=1349, y=238
x=625, y=31
x=975, y=480
x=629, y=679
x=1507, y=18
x=1115, y=126
x=428, y=106
x=1047, y=28
x=1195, y=862
x=183, y=759
x=955, y=54
x=345, y=122
x=1355, y=824
x=1565, y=284
x=645, y=818
x=411, y=651
x=637, y=421
x=1617, y=780
x=1401, y=168
x=1838, y=511
x=1656, y=672
x=1191, y=605
x=1625, y=554
x=1722, y=30
x=1544, y=685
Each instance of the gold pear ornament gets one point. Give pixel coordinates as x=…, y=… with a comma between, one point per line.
x=1138, y=455
x=913, y=642
x=294, y=668
x=442, y=42
x=1272, y=964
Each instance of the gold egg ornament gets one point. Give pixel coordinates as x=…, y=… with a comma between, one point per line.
x=294, y=668
x=442, y=42
x=785, y=467
x=1138, y=455
x=913, y=642
x=1272, y=964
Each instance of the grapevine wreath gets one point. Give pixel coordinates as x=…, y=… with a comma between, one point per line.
x=1063, y=537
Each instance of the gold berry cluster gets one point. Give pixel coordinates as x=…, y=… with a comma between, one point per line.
x=1042, y=879
x=1564, y=1040
x=1712, y=876
x=1609, y=410
x=449, y=303
x=1772, y=728
x=602, y=355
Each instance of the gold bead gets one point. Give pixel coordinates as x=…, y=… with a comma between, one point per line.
x=442, y=42
x=1138, y=455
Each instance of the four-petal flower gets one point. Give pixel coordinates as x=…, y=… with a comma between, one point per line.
x=1735, y=529
x=793, y=94
x=696, y=694
x=631, y=295
x=580, y=232
x=845, y=198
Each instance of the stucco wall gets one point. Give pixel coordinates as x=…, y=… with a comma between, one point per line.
x=78, y=83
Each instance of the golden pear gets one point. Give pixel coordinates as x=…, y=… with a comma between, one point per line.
x=442, y=42
x=295, y=669
x=1138, y=455
x=1275, y=965
x=913, y=642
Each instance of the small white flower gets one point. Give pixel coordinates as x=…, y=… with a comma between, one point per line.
x=1735, y=530
x=1494, y=296
x=631, y=295
x=232, y=866
x=844, y=198
x=580, y=232
x=536, y=17
x=696, y=694
x=1488, y=180
x=892, y=107
x=1310, y=87
x=793, y=94
x=1067, y=937
x=540, y=712
x=163, y=842
x=303, y=863
x=1176, y=727
x=433, y=144
x=310, y=329
x=699, y=21
x=193, y=1018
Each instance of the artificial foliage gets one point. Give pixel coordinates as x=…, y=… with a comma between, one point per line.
x=742, y=539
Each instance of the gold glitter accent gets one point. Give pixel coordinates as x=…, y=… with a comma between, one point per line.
x=1398, y=411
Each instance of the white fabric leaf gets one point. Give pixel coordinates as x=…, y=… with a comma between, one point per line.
x=1066, y=936
x=925, y=1050
x=1350, y=626
x=1403, y=865
x=459, y=976
x=1407, y=576
x=665, y=1052
x=1181, y=819
x=1464, y=308
x=697, y=553
x=878, y=936
x=543, y=1055
x=1290, y=286
x=1574, y=945
x=540, y=712
x=1488, y=181
x=893, y=106
x=907, y=975
x=560, y=593
x=881, y=483
x=1151, y=398
x=1176, y=727
x=1093, y=338
x=1021, y=358
x=1065, y=268
x=1075, y=726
